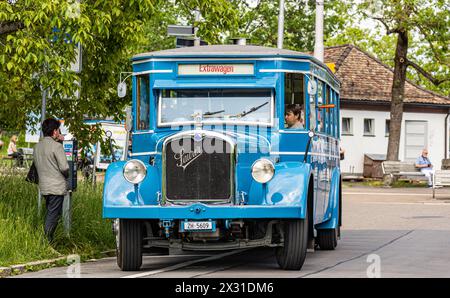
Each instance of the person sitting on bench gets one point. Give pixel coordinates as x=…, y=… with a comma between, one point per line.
x=12, y=151
x=425, y=166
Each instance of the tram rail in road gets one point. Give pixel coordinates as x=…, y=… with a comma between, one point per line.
x=184, y=264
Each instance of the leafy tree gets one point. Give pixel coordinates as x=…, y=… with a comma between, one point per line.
x=259, y=23
x=37, y=46
x=413, y=21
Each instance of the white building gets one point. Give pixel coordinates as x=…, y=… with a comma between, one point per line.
x=365, y=111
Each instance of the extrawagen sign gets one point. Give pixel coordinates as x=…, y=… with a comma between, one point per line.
x=215, y=69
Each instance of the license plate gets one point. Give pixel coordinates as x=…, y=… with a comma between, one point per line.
x=198, y=226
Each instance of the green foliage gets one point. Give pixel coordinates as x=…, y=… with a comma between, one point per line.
x=21, y=227
x=427, y=24
x=110, y=33
x=260, y=23
x=40, y=52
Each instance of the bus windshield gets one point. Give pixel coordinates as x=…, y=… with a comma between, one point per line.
x=185, y=106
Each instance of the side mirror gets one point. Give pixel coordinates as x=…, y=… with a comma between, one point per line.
x=122, y=89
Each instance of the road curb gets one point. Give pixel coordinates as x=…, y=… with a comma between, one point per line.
x=42, y=264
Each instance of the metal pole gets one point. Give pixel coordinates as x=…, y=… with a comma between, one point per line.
x=318, y=47
x=67, y=214
x=280, y=25
x=94, y=169
x=43, y=111
x=197, y=19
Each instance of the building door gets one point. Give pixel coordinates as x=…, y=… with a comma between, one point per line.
x=415, y=139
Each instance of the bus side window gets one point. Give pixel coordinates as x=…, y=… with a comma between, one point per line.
x=328, y=112
x=143, y=103
x=294, y=96
x=320, y=112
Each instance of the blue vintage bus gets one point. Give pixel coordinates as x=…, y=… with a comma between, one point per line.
x=214, y=165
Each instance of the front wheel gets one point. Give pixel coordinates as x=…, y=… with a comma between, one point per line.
x=292, y=255
x=327, y=239
x=129, y=244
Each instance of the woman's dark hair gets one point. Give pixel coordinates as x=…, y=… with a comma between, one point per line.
x=295, y=109
x=49, y=125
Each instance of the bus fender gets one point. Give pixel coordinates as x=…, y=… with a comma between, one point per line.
x=119, y=192
x=288, y=187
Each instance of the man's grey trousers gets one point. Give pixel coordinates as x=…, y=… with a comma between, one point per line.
x=54, y=210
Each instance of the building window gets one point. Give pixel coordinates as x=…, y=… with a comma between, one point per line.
x=369, y=127
x=386, y=130
x=347, y=126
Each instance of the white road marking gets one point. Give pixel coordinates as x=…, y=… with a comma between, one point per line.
x=408, y=203
x=387, y=194
x=184, y=264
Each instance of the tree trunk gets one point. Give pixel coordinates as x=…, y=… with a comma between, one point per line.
x=398, y=92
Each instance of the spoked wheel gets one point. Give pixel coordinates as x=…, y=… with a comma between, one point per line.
x=128, y=244
x=327, y=238
x=292, y=255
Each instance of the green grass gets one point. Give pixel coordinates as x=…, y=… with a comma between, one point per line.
x=21, y=227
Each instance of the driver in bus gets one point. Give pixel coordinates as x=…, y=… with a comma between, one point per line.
x=293, y=117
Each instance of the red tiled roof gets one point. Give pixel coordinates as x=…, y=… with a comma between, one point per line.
x=365, y=78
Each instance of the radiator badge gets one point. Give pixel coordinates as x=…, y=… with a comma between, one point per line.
x=186, y=158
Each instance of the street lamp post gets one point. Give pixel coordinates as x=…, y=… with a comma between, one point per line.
x=281, y=25
x=318, y=46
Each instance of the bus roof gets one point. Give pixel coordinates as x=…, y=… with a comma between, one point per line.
x=230, y=51
x=222, y=50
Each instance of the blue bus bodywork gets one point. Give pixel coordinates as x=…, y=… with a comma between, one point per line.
x=304, y=192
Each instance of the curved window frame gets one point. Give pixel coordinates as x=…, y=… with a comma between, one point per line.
x=221, y=122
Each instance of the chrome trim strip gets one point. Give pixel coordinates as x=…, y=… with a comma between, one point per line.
x=285, y=70
x=298, y=71
x=152, y=71
x=144, y=153
x=142, y=132
x=303, y=153
x=219, y=59
x=306, y=132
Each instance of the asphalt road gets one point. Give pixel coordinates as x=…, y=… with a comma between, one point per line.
x=385, y=233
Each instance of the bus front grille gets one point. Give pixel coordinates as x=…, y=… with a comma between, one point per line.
x=198, y=168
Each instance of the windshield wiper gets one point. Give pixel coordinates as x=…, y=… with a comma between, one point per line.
x=213, y=113
x=245, y=113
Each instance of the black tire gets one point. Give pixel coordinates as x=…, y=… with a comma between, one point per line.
x=327, y=239
x=129, y=248
x=292, y=255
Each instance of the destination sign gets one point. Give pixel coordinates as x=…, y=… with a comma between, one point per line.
x=215, y=69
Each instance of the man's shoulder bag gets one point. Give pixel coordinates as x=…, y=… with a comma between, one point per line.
x=32, y=175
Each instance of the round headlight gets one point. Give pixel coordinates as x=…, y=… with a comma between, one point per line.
x=263, y=170
x=134, y=171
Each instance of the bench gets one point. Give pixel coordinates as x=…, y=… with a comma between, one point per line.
x=393, y=170
x=440, y=178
